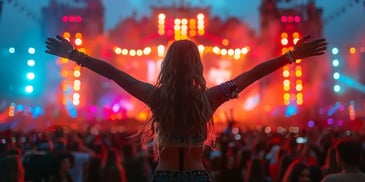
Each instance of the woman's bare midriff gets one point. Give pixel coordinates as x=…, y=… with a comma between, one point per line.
x=169, y=158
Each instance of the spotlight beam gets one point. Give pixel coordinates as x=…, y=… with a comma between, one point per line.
x=350, y=82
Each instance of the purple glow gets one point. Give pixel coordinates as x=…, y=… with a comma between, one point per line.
x=116, y=107
x=329, y=121
x=340, y=123
x=93, y=109
x=311, y=124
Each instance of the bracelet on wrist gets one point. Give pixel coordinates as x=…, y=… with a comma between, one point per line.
x=78, y=57
x=229, y=89
x=289, y=55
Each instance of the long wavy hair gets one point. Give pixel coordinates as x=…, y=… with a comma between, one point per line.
x=179, y=104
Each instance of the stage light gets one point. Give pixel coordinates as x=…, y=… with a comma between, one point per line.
x=132, y=52
x=31, y=62
x=201, y=48
x=30, y=76
x=77, y=82
x=284, y=19
x=237, y=51
x=336, y=75
x=230, y=52
x=284, y=41
x=12, y=50
x=286, y=73
x=78, y=41
x=124, y=51
x=117, y=50
x=216, y=50
x=284, y=50
x=299, y=87
x=223, y=52
x=76, y=96
x=78, y=19
x=139, y=52
x=161, y=16
x=31, y=50
x=76, y=103
x=286, y=96
x=67, y=35
x=335, y=62
x=352, y=50
x=65, y=18
x=147, y=50
x=177, y=21
x=225, y=42
x=298, y=73
x=78, y=35
x=297, y=19
x=71, y=18
x=64, y=73
x=337, y=88
x=29, y=89
x=299, y=101
x=291, y=110
x=77, y=88
x=286, y=87
x=245, y=50
x=311, y=124
x=160, y=50
x=20, y=107
x=286, y=82
x=334, y=51
x=192, y=33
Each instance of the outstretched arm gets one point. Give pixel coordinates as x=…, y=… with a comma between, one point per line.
x=63, y=48
x=303, y=49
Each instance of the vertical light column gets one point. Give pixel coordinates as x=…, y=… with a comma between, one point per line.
x=30, y=75
x=71, y=74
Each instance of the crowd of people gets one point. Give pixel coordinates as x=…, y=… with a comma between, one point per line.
x=247, y=155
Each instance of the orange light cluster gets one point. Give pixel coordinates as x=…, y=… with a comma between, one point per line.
x=161, y=23
x=182, y=27
x=11, y=112
x=71, y=73
x=133, y=52
x=236, y=53
x=290, y=75
x=201, y=24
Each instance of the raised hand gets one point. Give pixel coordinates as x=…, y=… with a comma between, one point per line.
x=304, y=49
x=60, y=47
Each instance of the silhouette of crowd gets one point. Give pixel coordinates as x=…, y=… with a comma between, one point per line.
x=240, y=154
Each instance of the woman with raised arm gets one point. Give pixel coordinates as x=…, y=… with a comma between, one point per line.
x=181, y=104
